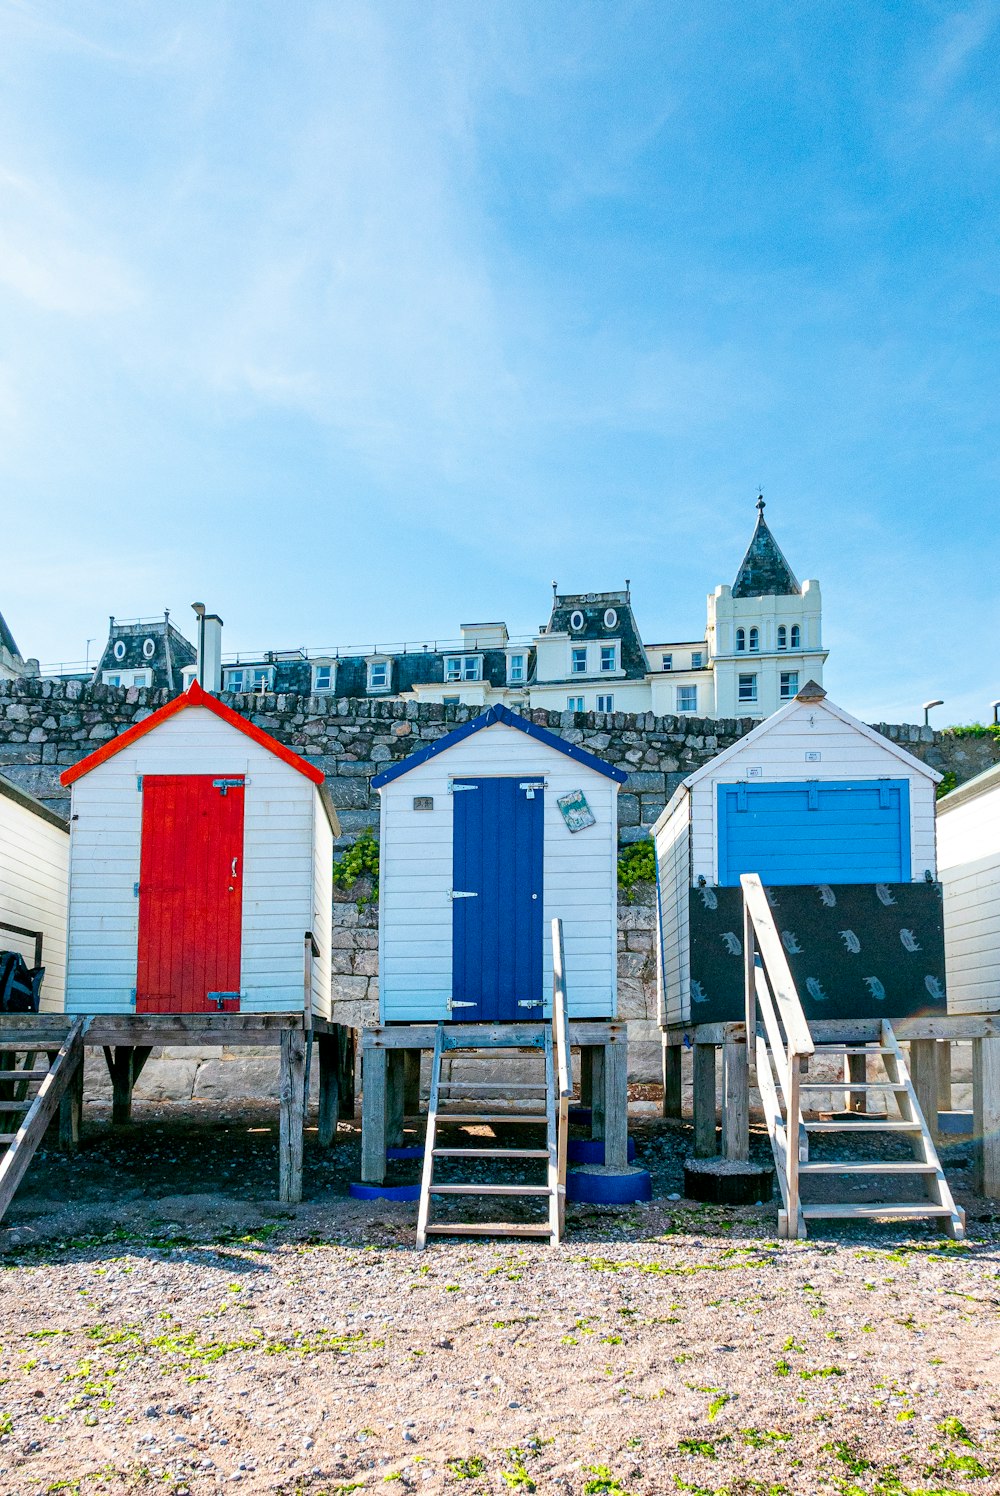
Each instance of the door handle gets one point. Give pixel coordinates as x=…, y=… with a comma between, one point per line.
x=232, y=871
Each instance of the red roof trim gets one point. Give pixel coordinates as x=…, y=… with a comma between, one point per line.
x=195, y=695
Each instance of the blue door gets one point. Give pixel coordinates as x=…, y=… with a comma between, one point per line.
x=497, y=900
x=815, y=831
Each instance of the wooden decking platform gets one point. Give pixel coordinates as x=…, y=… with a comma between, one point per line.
x=127, y=1041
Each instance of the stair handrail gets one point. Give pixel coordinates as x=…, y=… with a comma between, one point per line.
x=770, y=989
x=564, y=1069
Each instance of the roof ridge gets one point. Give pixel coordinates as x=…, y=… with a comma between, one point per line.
x=764, y=571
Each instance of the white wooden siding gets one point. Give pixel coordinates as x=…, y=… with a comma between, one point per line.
x=322, y=920
x=580, y=876
x=281, y=809
x=34, y=876
x=780, y=754
x=673, y=866
x=969, y=862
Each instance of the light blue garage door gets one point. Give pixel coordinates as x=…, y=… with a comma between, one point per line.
x=815, y=831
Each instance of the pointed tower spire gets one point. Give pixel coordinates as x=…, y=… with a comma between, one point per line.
x=764, y=572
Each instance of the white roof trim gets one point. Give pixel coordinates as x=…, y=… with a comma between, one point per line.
x=987, y=780
x=826, y=705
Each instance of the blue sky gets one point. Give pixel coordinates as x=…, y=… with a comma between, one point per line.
x=359, y=321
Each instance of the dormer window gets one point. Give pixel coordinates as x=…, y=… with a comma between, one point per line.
x=515, y=669
x=378, y=675
x=252, y=679
x=323, y=677
x=148, y=649
x=610, y=618
x=463, y=667
x=578, y=662
x=609, y=657
x=119, y=649
x=782, y=636
x=754, y=640
x=741, y=640
x=576, y=620
x=796, y=636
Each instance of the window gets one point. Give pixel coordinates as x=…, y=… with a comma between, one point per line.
x=576, y=620
x=796, y=637
x=741, y=640
x=667, y=662
x=605, y=703
x=148, y=649
x=789, y=684
x=251, y=678
x=782, y=636
x=610, y=618
x=119, y=649
x=687, y=698
x=574, y=704
x=112, y=680
x=609, y=657
x=515, y=668
x=463, y=667
x=449, y=701
x=323, y=676
x=748, y=688
x=696, y=659
x=378, y=675
x=578, y=664
x=754, y=640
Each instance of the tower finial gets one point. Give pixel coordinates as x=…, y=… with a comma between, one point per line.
x=760, y=502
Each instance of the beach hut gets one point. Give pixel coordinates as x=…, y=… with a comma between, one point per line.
x=34, y=871
x=201, y=855
x=968, y=835
x=838, y=822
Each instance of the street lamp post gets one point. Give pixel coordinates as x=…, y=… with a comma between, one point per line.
x=927, y=711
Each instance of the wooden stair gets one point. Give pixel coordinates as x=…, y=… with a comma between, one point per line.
x=17, y=1082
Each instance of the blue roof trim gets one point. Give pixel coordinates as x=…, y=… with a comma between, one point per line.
x=490, y=718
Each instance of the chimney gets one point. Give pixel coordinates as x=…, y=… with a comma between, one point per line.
x=209, y=674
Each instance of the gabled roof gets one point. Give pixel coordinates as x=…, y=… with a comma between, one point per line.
x=28, y=802
x=193, y=696
x=764, y=572
x=490, y=718
x=988, y=780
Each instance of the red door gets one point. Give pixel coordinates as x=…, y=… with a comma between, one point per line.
x=190, y=893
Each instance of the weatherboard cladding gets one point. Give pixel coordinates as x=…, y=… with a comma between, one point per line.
x=490, y=718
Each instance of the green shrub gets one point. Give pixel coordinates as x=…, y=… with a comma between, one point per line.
x=636, y=864
x=359, y=861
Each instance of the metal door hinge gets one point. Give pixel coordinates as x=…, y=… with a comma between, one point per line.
x=458, y=893
x=453, y=788
x=453, y=1004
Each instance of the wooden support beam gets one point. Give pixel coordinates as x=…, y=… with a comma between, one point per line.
x=924, y=1074
x=374, y=1075
x=986, y=1114
x=329, y=1087
x=292, y=1115
x=593, y=1056
x=673, y=1055
x=944, y=1075
x=703, y=1097
x=411, y=1082
x=395, y=1097
x=347, y=1051
x=71, y=1109
x=616, y=1105
x=124, y=1062
x=735, y=1101
x=857, y=1074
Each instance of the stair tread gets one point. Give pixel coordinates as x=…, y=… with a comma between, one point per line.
x=899, y=1212
x=876, y=1166
x=489, y=1189
x=15, y=1106
x=487, y=1228
x=7, y=1076
x=490, y=1152
x=862, y=1126
x=7, y=1137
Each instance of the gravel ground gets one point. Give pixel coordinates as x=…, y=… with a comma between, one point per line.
x=173, y=1329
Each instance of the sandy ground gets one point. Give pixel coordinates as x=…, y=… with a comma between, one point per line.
x=165, y=1326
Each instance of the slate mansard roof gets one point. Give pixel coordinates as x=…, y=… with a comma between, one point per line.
x=594, y=606
x=7, y=639
x=764, y=572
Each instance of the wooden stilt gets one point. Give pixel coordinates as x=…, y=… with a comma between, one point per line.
x=703, y=1096
x=986, y=1114
x=586, y=1076
x=329, y=1088
x=735, y=1100
x=924, y=1074
x=944, y=1075
x=857, y=1074
x=124, y=1064
x=598, y=1118
x=292, y=1115
x=395, y=1098
x=616, y=1105
x=71, y=1109
x=374, y=1074
x=411, y=1082
x=672, y=1057
x=346, y=1051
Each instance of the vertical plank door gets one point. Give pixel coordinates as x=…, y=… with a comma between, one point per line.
x=190, y=893
x=497, y=876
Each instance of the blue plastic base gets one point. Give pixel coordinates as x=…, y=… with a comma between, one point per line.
x=385, y=1191
x=959, y=1124
x=591, y=1150
x=592, y=1186
x=417, y=1152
